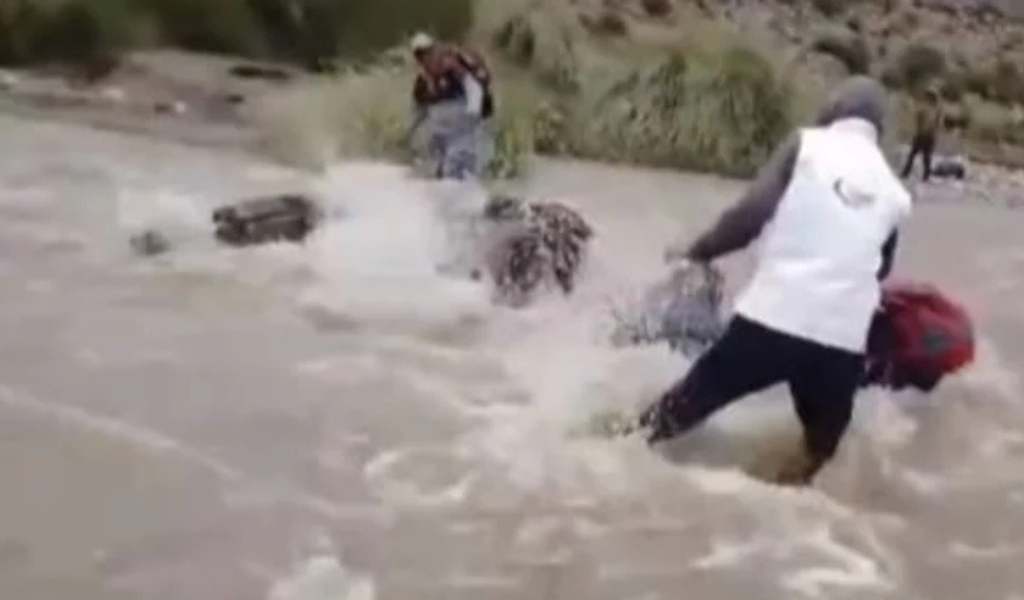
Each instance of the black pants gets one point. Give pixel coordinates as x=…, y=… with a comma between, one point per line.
x=925, y=146
x=750, y=358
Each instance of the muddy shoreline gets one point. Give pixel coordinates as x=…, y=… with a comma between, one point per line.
x=180, y=97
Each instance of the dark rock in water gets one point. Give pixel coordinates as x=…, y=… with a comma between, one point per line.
x=249, y=71
x=150, y=243
x=545, y=242
x=261, y=220
x=949, y=167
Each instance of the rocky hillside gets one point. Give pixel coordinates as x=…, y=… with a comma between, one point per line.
x=973, y=50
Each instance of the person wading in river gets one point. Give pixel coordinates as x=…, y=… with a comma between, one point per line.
x=825, y=208
x=453, y=101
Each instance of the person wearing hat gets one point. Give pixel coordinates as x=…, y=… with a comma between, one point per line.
x=453, y=100
x=927, y=122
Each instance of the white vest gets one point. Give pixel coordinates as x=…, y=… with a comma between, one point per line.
x=820, y=254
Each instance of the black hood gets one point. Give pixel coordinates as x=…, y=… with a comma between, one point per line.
x=860, y=97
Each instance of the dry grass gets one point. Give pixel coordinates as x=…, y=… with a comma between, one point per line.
x=703, y=99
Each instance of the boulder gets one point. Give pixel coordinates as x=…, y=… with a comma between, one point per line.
x=260, y=220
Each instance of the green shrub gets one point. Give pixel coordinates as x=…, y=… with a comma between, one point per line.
x=363, y=28
x=1002, y=82
x=748, y=111
x=311, y=31
x=1007, y=82
x=21, y=23
x=608, y=22
x=544, y=45
x=979, y=83
x=550, y=130
x=86, y=33
x=915, y=67
x=517, y=40
x=224, y=26
x=849, y=48
x=993, y=123
x=831, y=8
x=724, y=112
x=90, y=30
x=513, y=144
x=953, y=87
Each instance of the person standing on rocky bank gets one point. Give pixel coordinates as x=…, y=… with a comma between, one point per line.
x=826, y=209
x=927, y=123
x=453, y=101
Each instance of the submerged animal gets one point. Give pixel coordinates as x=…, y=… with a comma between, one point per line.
x=683, y=310
x=287, y=217
x=533, y=245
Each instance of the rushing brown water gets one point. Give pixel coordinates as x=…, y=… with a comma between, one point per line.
x=341, y=421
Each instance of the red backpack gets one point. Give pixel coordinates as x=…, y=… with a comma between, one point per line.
x=918, y=337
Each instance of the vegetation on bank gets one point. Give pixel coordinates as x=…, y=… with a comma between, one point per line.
x=563, y=91
x=92, y=33
x=570, y=82
x=719, y=109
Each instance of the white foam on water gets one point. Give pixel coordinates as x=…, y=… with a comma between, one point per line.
x=421, y=477
x=506, y=388
x=380, y=261
x=851, y=569
x=323, y=578
x=165, y=210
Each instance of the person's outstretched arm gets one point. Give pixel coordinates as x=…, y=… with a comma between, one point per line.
x=742, y=224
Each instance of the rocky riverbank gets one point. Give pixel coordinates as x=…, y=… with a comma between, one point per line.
x=181, y=96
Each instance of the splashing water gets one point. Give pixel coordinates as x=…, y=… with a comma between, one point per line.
x=183, y=425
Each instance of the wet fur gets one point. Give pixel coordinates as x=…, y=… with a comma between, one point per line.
x=536, y=244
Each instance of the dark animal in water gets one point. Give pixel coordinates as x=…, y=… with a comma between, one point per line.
x=541, y=242
x=256, y=221
x=949, y=167
x=150, y=243
x=287, y=217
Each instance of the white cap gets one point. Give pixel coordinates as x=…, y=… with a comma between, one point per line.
x=421, y=41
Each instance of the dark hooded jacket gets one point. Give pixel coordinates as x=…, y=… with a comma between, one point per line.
x=858, y=97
